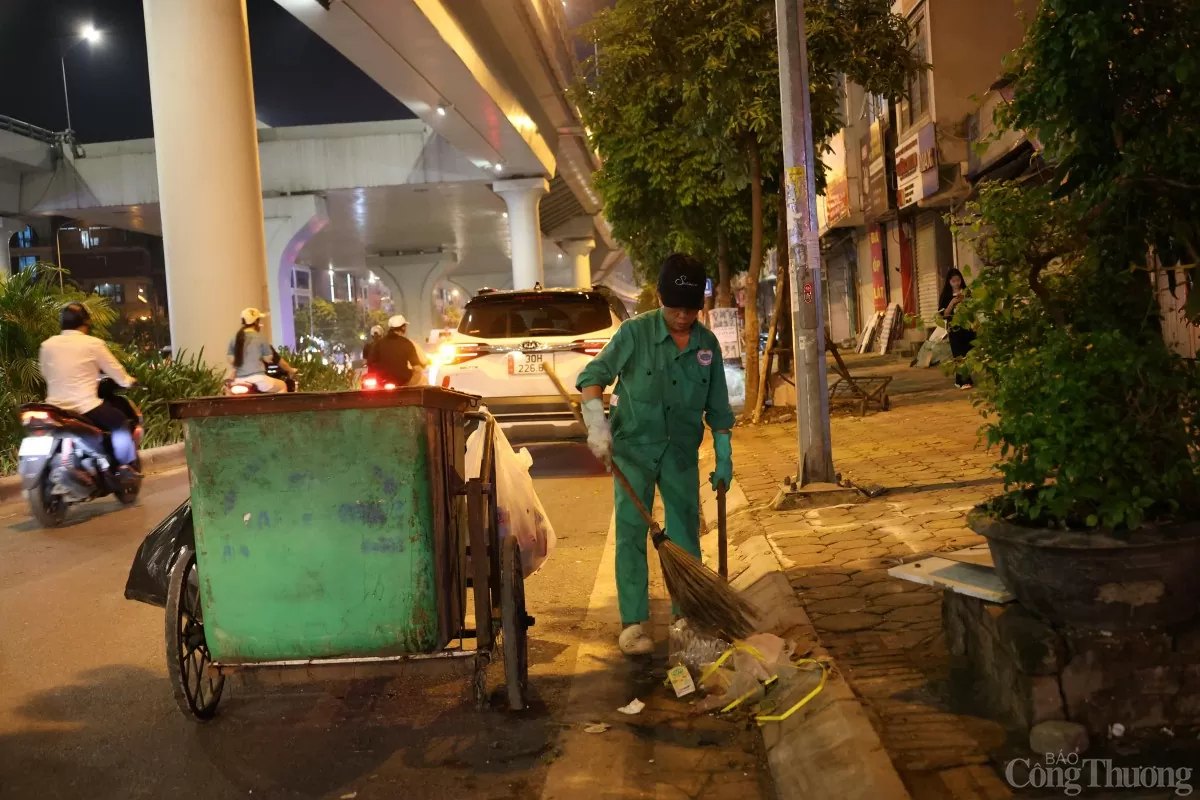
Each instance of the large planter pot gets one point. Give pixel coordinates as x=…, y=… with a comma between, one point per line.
x=1097, y=581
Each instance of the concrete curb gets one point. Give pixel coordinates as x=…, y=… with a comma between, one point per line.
x=156, y=459
x=828, y=748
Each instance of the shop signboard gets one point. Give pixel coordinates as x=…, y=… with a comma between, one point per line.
x=837, y=184
x=878, y=278
x=877, y=169
x=916, y=166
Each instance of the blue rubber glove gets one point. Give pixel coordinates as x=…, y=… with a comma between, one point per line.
x=723, y=444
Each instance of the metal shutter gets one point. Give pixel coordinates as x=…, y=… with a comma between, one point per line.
x=929, y=279
x=835, y=287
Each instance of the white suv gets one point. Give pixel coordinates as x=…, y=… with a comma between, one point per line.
x=505, y=340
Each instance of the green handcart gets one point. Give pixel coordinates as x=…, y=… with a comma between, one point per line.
x=337, y=535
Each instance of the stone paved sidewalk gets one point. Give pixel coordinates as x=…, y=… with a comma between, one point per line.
x=885, y=634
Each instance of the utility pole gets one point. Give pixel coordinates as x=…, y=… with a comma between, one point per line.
x=804, y=245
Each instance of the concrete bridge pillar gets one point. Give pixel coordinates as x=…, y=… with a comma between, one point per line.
x=580, y=253
x=8, y=226
x=523, y=197
x=208, y=174
x=411, y=278
x=289, y=222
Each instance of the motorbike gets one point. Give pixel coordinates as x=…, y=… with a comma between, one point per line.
x=63, y=460
x=237, y=387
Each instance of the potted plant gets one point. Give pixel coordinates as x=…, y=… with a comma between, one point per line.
x=1096, y=419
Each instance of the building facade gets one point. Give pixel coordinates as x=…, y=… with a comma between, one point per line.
x=899, y=169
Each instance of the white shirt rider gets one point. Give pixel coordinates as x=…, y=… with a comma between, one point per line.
x=72, y=363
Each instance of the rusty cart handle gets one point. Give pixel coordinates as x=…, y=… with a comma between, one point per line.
x=616, y=471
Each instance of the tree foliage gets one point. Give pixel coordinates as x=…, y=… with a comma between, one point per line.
x=1095, y=418
x=338, y=327
x=683, y=105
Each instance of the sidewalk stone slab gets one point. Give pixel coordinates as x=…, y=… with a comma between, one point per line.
x=890, y=648
x=804, y=582
x=895, y=600
x=857, y=621
x=837, y=605
x=827, y=593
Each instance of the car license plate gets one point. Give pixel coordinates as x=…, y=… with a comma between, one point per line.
x=526, y=364
x=36, y=446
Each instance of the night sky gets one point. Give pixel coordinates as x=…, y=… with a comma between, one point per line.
x=298, y=78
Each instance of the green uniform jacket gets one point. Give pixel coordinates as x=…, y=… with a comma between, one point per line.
x=664, y=395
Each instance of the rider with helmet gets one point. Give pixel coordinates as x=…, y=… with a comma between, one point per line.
x=369, y=347
x=71, y=364
x=395, y=359
x=250, y=352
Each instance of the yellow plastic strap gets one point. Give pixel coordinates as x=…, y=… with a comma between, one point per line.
x=781, y=717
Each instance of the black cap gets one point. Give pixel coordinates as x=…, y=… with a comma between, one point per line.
x=681, y=282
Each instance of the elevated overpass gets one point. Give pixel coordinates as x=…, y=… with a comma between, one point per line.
x=493, y=181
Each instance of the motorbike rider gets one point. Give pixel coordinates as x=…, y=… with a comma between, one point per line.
x=71, y=364
x=395, y=359
x=250, y=352
x=369, y=347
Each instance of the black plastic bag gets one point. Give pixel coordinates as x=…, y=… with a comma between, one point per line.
x=151, y=571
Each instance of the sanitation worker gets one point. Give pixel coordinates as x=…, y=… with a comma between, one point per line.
x=670, y=382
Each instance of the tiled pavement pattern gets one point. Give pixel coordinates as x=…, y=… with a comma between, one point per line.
x=885, y=634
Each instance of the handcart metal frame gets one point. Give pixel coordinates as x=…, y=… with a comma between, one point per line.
x=495, y=581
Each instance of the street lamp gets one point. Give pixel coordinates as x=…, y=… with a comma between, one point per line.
x=88, y=33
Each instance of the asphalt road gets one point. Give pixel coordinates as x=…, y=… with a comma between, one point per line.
x=86, y=709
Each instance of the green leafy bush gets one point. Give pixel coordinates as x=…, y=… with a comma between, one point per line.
x=1095, y=418
x=316, y=375
x=161, y=382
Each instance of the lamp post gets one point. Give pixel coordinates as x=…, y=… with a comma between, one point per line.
x=88, y=33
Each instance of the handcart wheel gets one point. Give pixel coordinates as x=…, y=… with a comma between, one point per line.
x=188, y=660
x=514, y=624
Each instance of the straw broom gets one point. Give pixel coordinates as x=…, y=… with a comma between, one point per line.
x=703, y=597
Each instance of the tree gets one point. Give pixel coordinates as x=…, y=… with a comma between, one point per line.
x=1095, y=418
x=340, y=326
x=683, y=105
x=30, y=302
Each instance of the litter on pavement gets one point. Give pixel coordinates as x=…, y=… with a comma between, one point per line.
x=635, y=707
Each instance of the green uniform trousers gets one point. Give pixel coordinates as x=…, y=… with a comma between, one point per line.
x=677, y=476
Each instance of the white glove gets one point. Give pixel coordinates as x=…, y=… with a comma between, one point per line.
x=599, y=432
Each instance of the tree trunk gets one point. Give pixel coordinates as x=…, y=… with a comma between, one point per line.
x=724, y=295
x=753, y=275
x=782, y=287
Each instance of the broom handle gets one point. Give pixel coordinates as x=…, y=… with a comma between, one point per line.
x=722, y=534
x=616, y=471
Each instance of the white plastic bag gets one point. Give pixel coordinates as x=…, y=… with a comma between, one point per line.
x=519, y=511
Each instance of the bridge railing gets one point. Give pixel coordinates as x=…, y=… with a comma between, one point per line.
x=29, y=131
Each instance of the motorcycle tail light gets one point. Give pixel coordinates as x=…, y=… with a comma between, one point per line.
x=34, y=416
x=370, y=384
x=389, y=386
x=239, y=389
x=138, y=433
